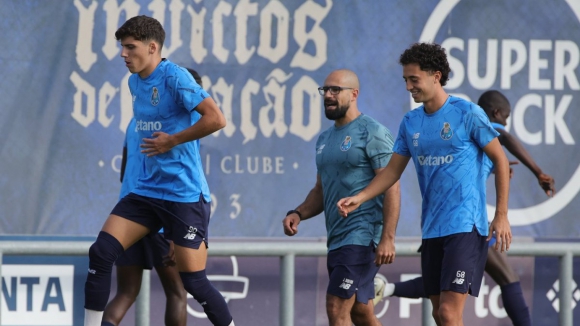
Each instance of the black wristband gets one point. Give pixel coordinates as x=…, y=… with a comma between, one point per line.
x=293, y=211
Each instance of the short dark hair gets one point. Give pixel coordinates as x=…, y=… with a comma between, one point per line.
x=142, y=28
x=196, y=76
x=491, y=100
x=430, y=57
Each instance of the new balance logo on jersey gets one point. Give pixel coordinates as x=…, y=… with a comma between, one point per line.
x=346, y=284
x=92, y=271
x=435, y=160
x=191, y=233
x=141, y=125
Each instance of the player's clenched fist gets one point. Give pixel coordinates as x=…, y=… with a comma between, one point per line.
x=290, y=224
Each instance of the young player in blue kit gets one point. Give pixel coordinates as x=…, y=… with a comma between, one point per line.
x=447, y=138
x=153, y=250
x=348, y=156
x=171, y=191
x=497, y=108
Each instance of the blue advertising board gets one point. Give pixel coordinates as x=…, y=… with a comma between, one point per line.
x=66, y=103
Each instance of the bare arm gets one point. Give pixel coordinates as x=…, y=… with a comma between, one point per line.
x=212, y=120
x=385, y=253
x=380, y=183
x=310, y=207
x=500, y=223
x=514, y=146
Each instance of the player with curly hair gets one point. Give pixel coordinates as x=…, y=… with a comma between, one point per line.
x=448, y=139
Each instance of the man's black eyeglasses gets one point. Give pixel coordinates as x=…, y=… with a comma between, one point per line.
x=333, y=89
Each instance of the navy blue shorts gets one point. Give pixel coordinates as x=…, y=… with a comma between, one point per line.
x=186, y=224
x=454, y=263
x=147, y=252
x=351, y=270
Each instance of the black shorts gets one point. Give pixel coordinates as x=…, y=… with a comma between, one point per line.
x=352, y=269
x=147, y=252
x=186, y=224
x=454, y=263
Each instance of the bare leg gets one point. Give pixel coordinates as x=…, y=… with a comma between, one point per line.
x=364, y=314
x=176, y=304
x=499, y=269
x=125, y=231
x=128, y=286
x=338, y=310
x=435, y=312
x=191, y=260
x=449, y=308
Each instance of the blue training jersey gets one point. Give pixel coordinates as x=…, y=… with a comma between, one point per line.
x=164, y=101
x=446, y=148
x=488, y=163
x=134, y=159
x=496, y=126
x=346, y=160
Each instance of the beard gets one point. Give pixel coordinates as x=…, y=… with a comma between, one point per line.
x=337, y=113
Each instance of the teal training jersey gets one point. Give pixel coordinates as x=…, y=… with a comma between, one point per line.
x=164, y=101
x=446, y=148
x=346, y=159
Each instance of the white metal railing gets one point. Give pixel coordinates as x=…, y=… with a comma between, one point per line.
x=288, y=250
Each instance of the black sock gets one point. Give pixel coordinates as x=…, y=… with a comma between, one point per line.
x=410, y=289
x=515, y=305
x=212, y=301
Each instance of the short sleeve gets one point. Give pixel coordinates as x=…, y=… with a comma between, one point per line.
x=401, y=146
x=481, y=130
x=379, y=146
x=185, y=90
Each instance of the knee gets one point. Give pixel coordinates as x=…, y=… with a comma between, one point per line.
x=332, y=308
x=176, y=293
x=198, y=285
x=447, y=314
x=359, y=315
x=338, y=309
x=129, y=294
x=174, y=287
x=97, y=252
x=105, y=250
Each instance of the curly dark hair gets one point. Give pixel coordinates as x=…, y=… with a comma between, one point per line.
x=142, y=28
x=430, y=57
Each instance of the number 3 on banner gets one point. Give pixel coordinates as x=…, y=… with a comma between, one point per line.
x=213, y=205
x=237, y=207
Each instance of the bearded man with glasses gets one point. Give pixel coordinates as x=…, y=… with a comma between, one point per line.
x=348, y=155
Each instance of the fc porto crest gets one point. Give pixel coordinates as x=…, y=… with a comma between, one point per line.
x=155, y=96
x=446, y=131
x=346, y=143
